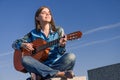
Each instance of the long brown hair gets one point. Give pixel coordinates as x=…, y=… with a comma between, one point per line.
x=37, y=23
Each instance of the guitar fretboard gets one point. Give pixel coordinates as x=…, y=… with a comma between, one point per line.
x=49, y=44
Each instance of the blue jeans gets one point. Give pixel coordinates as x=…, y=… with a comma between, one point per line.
x=66, y=62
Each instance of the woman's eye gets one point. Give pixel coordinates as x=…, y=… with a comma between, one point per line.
x=45, y=13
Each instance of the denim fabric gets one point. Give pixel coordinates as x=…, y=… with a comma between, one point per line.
x=66, y=62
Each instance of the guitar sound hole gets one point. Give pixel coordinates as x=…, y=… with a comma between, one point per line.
x=34, y=51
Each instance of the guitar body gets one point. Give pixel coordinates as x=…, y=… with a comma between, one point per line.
x=39, y=55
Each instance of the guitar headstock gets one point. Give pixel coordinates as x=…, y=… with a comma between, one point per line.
x=74, y=35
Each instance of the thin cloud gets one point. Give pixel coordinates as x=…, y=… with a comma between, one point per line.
x=7, y=53
x=100, y=41
x=102, y=28
x=96, y=42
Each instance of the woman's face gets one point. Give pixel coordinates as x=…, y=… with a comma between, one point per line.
x=44, y=16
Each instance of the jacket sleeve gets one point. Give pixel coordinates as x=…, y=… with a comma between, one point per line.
x=17, y=43
x=61, y=49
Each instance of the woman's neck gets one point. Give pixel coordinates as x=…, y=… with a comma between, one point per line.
x=46, y=29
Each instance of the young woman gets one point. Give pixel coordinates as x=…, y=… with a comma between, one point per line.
x=58, y=62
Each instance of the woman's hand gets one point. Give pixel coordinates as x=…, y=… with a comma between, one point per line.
x=63, y=41
x=27, y=46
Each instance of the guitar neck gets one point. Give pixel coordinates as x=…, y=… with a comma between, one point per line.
x=49, y=44
x=71, y=36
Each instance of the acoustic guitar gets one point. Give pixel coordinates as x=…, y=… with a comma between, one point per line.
x=41, y=50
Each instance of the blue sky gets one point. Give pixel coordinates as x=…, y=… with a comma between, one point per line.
x=98, y=20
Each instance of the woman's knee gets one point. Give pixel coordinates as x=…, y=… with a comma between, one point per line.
x=26, y=59
x=70, y=56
